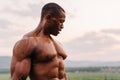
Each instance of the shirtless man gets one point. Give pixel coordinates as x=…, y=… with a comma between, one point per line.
x=37, y=54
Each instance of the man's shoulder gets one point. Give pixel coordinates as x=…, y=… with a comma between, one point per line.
x=29, y=34
x=24, y=42
x=23, y=47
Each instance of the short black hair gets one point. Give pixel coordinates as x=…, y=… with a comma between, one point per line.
x=52, y=8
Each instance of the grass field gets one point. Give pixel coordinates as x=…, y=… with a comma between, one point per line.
x=81, y=76
x=94, y=76
x=4, y=76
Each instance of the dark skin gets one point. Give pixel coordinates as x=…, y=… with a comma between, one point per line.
x=38, y=55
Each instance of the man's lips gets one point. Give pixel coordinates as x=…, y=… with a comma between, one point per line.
x=59, y=30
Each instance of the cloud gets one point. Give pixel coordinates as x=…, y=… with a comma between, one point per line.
x=5, y=51
x=34, y=10
x=4, y=23
x=112, y=31
x=94, y=46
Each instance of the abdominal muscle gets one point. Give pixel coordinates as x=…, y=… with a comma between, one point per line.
x=51, y=70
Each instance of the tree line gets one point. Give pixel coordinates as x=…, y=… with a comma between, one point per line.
x=93, y=69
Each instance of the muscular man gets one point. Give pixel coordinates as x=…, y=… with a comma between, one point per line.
x=37, y=54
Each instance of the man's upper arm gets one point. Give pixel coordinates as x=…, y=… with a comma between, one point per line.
x=21, y=61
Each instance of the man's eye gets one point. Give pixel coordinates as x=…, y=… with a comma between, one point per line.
x=61, y=21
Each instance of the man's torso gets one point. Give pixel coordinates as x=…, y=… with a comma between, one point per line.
x=47, y=63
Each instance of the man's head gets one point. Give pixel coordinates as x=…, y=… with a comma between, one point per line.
x=51, y=8
x=54, y=17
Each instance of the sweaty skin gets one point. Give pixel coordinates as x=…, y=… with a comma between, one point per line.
x=38, y=55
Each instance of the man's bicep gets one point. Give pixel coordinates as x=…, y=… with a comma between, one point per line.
x=20, y=69
x=21, y=61
x=23, y=49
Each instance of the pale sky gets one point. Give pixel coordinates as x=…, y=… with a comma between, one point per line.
x=91, y=30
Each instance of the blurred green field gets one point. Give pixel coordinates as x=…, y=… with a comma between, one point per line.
x=4, y=76
x=93, y=76
x=80, y=76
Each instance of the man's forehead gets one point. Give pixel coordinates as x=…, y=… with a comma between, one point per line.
x=62, y=14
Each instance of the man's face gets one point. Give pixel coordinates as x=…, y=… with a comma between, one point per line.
x=55, y=24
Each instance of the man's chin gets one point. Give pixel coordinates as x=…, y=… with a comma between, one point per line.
x=55, y=34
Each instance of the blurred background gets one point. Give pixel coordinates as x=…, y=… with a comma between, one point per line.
x=91, y=35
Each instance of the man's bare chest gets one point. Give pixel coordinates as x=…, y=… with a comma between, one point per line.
x=47, y=50
x=44, y=50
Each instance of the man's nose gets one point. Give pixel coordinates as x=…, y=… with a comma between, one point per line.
x=61, y=25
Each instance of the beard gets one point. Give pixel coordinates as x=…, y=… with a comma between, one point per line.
x=53, y=29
